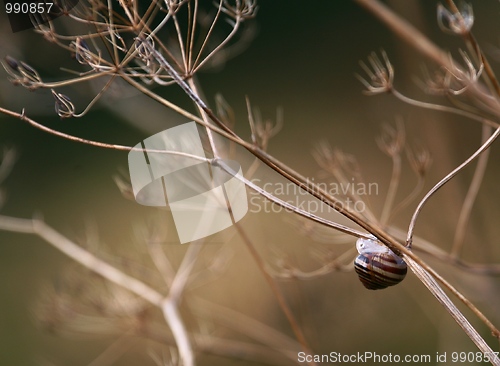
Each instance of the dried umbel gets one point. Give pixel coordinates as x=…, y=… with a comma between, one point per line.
x=457, y=21
x=380, y=74
x=64, y=107
x=377, y=266
x=82, y=52
x=21, y=73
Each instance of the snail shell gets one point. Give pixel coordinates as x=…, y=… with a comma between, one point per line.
x=377, y=266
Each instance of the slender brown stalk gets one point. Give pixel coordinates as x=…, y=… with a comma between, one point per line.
x=297, y=330
x=470, y=198
x=417, y=40
x=461, y=320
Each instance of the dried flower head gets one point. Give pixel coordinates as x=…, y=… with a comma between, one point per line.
x=265, y=130
x=381, y=74
x=21, y=73
x=459, y=23
x=335, y=162
x=420, y=159
x=467, y=77
x=12, y=63
x=64, y=107
x=436, y=82
x=143, y=51
x=245, y=9
x=82, y=52
x=392, y=138
x=224, y=111
x=173, y=6
x=452, y=82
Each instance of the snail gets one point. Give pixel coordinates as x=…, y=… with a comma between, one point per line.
x=377, y=266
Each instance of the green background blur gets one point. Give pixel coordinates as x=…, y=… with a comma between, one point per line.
x=304, y=58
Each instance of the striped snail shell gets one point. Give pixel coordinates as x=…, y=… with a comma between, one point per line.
x=377, y=266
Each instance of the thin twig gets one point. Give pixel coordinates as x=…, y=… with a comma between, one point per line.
x=444, y=108
x=170, y=305
x=470, y=198
x=421, y=43
x=446, y=179
x=277, y=292
x=78, y=254
x=461, y=320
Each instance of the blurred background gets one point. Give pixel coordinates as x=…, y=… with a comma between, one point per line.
x=303, y=59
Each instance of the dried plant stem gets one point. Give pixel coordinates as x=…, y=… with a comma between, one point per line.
x=198, y=64
x=204, y=116
x=277, y=292
x=490, y=77
x=482, y=164
x=316, y=192
x=442, y=182
x=292, y=208
x=248, y=326
x=170, y=304
x=323, y=196
x=274, y=344
x=480, y=269
x=474, y=46
x=444, y=108
x=284, y=204
x=8, y=160
x=112, y=274
x=392, y=190
x=405, y=253
x=401, y=28
x=185, y=87
x=411, y=228
x=253, y=137
x=462, y=321
x=96, y=98
x=114, y=351
x=162, y=101
x=334, y=168
x=478, y=174
x=470, y=198
x=337, y=265
x=406, y=31
x=255, y=255
x=104, y=145
x=161, y=262
x=422, y=245
x=272, y=162
x=414, y=37
x=80, y=255
x=266, y=194
x=413, y=194
x=77, y=80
